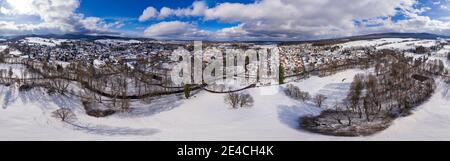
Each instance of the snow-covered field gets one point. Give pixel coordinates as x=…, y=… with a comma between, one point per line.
x=27, y=116
x=3, y=47
x=390, y=43
x=430, y=121
x=205, y=116
x=376, y=42
x=43, y=41
x=113, y=41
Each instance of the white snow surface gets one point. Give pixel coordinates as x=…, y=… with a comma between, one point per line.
x=390, y=43
x=117, y=41
x=205, y=116
x=375, y=42
x=430, y=121
x=43, y=41
x=27, y=116
x=15, y=52
x=3, y=47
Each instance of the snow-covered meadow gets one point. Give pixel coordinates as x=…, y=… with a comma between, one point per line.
x=27, y=116
x=43, y=41
x=205, y=116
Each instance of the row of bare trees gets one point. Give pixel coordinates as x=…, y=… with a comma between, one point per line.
x=239, y=100
x=295, y=92
x=396, y=87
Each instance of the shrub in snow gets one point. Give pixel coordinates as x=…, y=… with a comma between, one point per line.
x=25, y=87
x=147, y=100
x=51, y=91
x=100, y=113
x=319, y=99
x=237, y=100
x=304, y=96
x=232, y=99
x=59, y=85
x=64, y=114
x=291, y=90
x=281, y=76
x=296, y=93
x=246, y=100
x=421, y=50
x=10, y=73
x=187, y=91
x=92, y=109
x=374, y=101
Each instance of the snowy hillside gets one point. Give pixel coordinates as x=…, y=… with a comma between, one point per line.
x=43, y=41
x=115, y=41
x=27, y=115
x=206, y=117
x=390, y=43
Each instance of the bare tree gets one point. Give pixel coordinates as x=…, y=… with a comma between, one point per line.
x=10, y=73
x=319, y=99
x=372, y=102
x=338, y=116
x=246, y=100
x=236, y=100
x=304, y=96
x=355, y=93
x=60, y=85
x=64, y=114
x=232, y=99
x=296, y=93
x=125, y=105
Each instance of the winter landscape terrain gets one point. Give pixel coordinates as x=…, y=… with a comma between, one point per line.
x=117, y=89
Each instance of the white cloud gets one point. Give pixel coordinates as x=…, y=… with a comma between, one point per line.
x=54, y=16
x=306, y=19
x=303, y=19
x=413, y=23
x=165, y=12
x=167, y=28
x=118, y=24
x=232, y=31
x=196, y=9
x=175, y=29
x=149, y=12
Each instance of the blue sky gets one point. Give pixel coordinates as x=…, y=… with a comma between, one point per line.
x=130, y=10
x=224, y=19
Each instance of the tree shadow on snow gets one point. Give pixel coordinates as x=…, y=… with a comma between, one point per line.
x=113, y=131
x=290, y=115
x=334, y=92
x=63, y=101
x=7, y=99
x=34, y=96
x=156, y=106
x=445, y=91
x=39, y=96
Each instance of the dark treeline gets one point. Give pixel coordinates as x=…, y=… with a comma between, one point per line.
x=111, y=84
x=398, y=84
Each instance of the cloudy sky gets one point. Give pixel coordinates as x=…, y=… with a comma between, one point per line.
x=224, y=19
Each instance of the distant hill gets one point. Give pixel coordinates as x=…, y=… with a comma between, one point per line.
x=77, y=37
x=321, y=41
x=369, y=37
x=398, y=35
